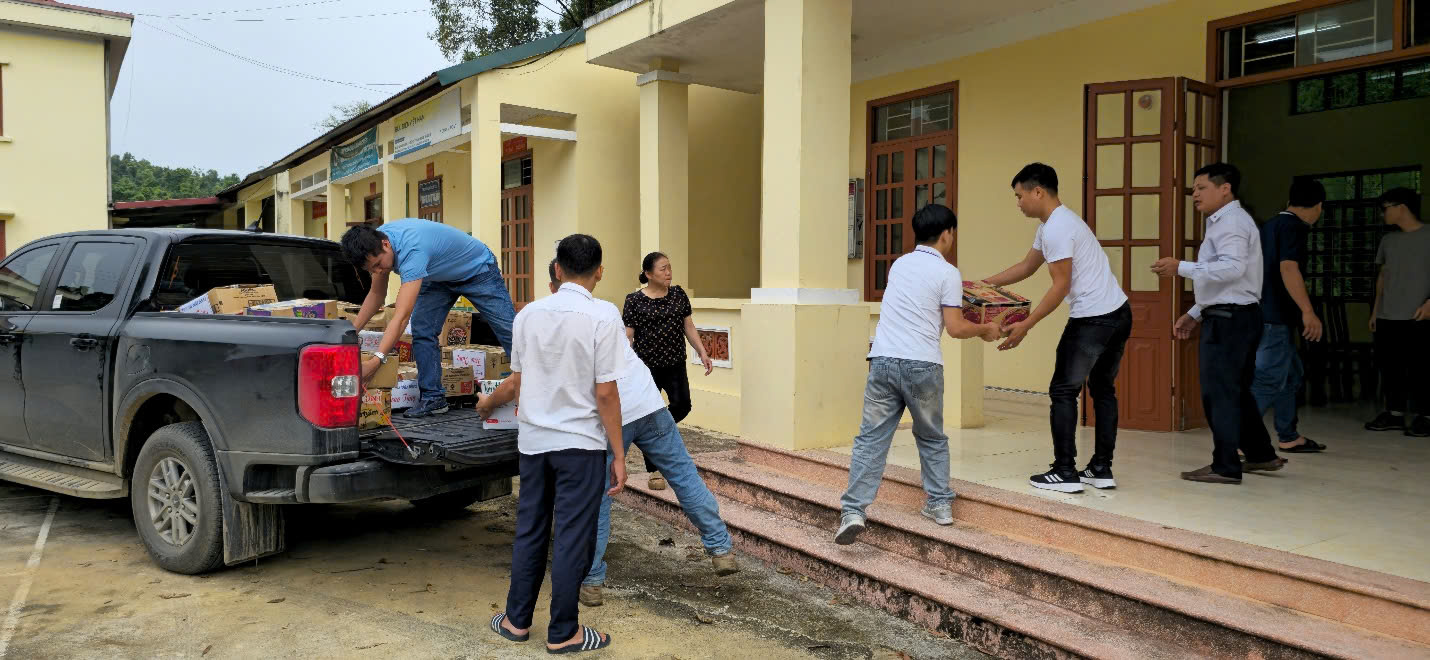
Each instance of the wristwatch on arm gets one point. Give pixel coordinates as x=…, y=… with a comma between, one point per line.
x=381, y=357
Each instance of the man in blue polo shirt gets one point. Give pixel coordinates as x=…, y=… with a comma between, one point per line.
x=436, y=263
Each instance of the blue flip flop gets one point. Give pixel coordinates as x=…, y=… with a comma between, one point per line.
x=496, y=627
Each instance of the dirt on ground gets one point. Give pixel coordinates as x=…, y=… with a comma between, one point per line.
x=380, y=580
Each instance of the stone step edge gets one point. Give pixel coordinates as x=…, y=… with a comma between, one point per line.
x=1284, y=626
x=1008, y=610
x=1364, y=582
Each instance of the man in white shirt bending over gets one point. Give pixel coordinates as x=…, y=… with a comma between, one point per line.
x=1099, y=322
x=923, y=299
x=568, y=349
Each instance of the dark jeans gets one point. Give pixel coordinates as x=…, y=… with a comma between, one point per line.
x=488, y=294
x=1227, y=361
x=1090, y=353
x=564, y=487
x=675, y=382
x=1402, y=352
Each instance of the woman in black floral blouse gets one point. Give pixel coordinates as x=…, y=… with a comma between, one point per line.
x=659, y=325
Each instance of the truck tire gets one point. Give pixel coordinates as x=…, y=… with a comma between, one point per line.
x=174, y=494
x=448, y=504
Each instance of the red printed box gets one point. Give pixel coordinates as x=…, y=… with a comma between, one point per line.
x=984, y=303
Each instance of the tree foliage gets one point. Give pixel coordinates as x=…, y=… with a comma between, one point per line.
x=341, y=113
x=468, y=29
x=135, y=180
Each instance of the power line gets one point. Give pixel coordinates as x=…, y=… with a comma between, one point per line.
x=288, y=18
x=238, y=11
x=196, y=40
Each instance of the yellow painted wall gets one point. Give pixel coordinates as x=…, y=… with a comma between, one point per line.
x=725, y=132
x=54, y=154
x=1024, y=102
x=715, y=399
x=456, y=172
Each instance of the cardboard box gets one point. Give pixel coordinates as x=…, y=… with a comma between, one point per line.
x=376, y=409
x=487, y=362
x=456, y=330
x=406, y=394
x=503, y=417
x=407, y=371
x=457, y=381
x=301, y=308
x=386, y=375
x=232, y=299
x=984, y=303
x=371, y=340
x=348, y=311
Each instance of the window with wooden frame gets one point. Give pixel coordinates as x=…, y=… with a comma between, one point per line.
x=371, y=210
x=429, y=199
x=1312, y=37
x=517, y=229
x=912, y=147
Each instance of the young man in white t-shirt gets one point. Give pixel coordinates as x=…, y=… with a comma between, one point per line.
x=568, y=350
x=646, y=422
x=923, y=300
x=1099, y=321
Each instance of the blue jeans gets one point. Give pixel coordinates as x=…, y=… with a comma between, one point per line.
x=488, y=294
x=894, y=384
x=1278, y=378
x=662, y=445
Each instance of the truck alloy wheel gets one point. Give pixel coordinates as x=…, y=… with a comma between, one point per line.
x=173, y=501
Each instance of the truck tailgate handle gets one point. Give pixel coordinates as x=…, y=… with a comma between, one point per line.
x=9, y=337
x=84, y=342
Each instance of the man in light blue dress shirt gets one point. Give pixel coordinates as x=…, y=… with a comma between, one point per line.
x=1226, y=278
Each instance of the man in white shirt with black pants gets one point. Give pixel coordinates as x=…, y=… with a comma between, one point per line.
x=568, y=350
x=1099, y=322
x=1226, y=278
x=923, y=299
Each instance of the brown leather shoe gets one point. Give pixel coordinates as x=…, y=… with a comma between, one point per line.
x=1206, y=475
x=590, y=596
x=725, y=564
x=1269, y=466
x=656, y=482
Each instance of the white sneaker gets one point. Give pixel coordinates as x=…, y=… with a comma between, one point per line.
x=941, y=513
x=851, y=525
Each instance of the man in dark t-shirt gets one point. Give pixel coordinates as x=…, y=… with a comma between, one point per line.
x=1285, y=306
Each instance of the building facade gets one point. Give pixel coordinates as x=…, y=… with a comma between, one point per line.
x=59, y=65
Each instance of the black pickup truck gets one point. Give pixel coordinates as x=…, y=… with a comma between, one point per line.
x=210, y=424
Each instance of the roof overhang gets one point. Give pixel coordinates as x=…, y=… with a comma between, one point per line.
x=113, y=28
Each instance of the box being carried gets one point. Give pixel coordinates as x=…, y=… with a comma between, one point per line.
x=487, y=362
x=984, y=303
x=457, y=381
x=502, y=418
x=233, y=299
x=386, y=375
x=301, y=308
x=376, y=409
x=371, y=340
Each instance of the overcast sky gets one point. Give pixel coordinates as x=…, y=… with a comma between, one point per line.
x=184, y=104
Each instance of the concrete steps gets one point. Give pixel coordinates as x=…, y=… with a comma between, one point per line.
x=1030, y=583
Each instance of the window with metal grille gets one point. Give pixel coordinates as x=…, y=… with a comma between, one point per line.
x=1324, y=34
x=1408, y=80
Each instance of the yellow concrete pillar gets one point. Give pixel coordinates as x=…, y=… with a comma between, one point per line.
x=337, y=210
x=394, y=191
x=803, y=378
x=252, y=211
x=287, y=212
x=486, y=170
x=665, y=165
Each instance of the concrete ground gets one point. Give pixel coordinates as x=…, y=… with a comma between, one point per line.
x=378, y=581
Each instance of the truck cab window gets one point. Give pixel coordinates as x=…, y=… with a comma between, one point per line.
x=20, y=278
x=92, y=276
x=295, y=271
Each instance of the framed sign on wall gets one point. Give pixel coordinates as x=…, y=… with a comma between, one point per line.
x=717, y=345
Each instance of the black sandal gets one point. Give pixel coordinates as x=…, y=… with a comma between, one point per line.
x=498, y=629
x=1309, y=447
x=591, y=641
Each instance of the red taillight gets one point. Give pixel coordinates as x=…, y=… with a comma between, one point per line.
x=328, y=379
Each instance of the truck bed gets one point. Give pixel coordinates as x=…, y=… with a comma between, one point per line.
x=456, y=440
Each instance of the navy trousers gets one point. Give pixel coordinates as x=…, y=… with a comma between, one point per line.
x=563, y=488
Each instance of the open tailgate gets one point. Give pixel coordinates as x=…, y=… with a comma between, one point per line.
x=455, y=440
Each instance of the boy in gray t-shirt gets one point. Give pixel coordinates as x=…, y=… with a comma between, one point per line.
x=1401, y=317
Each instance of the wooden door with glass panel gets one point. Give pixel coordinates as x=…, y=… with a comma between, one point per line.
x=912, y=146
x=516, y=229
x=1129, y=203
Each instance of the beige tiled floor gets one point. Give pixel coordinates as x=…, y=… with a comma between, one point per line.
x=1363, y=502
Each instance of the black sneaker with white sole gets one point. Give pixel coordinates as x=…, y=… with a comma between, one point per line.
x=427, y=408
x=1386, y=422
x=1062, y=482
x=1098, y=476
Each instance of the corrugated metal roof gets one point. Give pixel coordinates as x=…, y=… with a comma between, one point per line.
x=165, y=203
x=87, y=10
x=511, y=55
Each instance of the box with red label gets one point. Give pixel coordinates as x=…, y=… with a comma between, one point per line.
x=985, y=303
x=302, y=308
x=503, y=417
x=487, y=362
x=456, y=330
x=371, y=341
x=230, y=299
x=457, y=381
x=376, y=409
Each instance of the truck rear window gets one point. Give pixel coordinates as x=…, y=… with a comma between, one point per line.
x=295, y=271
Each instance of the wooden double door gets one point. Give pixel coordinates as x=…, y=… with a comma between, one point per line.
x=1144, y=141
